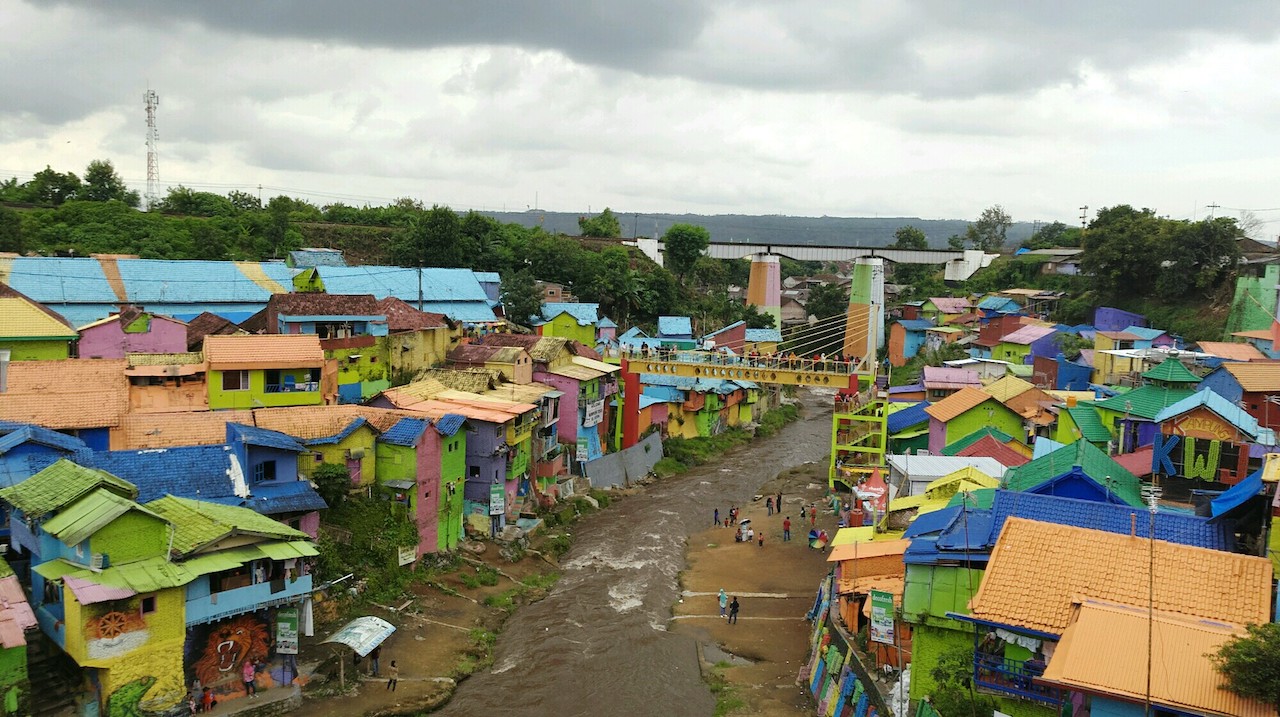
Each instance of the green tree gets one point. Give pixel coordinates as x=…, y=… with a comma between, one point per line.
x=1119, y=250
x=757, y=319
x=50, y=187
x=189, y=202
x=909, y=237
x=11, y=231
x=1052, y=236
x=244, y=201
x=1250, y=664
x=520, y=296
x=827, y=300
x=102, y=184
x=955, y=241
x=1199, y=257
x=604, y=224
x=989, y=231
x=432, y=239
x=333, y=483
x=683, y=244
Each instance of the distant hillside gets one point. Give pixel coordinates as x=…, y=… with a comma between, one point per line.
x=835, y=231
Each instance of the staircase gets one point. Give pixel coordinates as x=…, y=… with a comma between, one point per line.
x=53, y=677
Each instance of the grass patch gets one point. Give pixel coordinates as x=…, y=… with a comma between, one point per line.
x=505, y=600
x=479, y=654
x=484, y=575
x=558, y=544
x=773, y=421
x=727, y=699
x=541, y=581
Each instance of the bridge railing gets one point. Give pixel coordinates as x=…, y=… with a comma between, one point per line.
x=776, y=362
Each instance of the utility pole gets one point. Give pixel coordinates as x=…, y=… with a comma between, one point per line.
x=1212, y=207
x=151, y=100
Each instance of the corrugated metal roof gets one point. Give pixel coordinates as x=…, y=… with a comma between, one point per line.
x=951, y=304
x=764, y=335
x=1092, y=462
x=1185, y=678
x=992, y=447
x=675, y=327
x=1038, y=570
x=1231, y=351
x=905, y=418
x=1027, y=334
x=198, y=523
x=90, y=513
x=584, y=314
x=965, y=399
x=922, y=467
x=1181, y=528
x=88, y=592
x=315, y=256
x=60, y=485
x=601, y=366
x=916, y=324
x=1171, y=371
x=947, y=377
x=1090, y=425
x=456, y=293
x=1146, y=401
x=1145, y=333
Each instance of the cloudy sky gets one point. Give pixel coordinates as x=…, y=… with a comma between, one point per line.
x=845, y=108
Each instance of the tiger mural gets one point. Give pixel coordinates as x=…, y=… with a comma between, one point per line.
x=227, y=647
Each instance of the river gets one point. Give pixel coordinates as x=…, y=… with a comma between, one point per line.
x=598, y=644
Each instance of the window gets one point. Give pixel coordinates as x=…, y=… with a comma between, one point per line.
x=148, y=604
x=264, y=471
x=235, y=380
x=474, y=471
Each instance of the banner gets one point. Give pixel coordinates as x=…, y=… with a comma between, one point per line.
x=408, y=555
x=287, y=631
x=882, y=617
x=497, y=499
x=582, y=450
x=594, y=414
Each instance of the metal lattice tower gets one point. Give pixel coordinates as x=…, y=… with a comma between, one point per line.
x=152, y=101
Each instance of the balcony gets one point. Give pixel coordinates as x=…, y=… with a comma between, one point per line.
x=248, y=598
x=1012, y=677
x=305, y=387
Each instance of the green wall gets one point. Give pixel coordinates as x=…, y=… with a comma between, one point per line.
x=566, y=326
x=219, y=398
x=453, y=469
x=976, y=418
x=36, y=350
x=132, y=536
x=928, y=645
x=370, y=370
x=1013, y=353
x=13, y=679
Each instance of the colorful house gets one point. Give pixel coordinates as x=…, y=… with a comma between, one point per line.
x=87, y=398
x=416, y=340
x=352, y=333
x=1253, y=386
x=571, y=321
x=1079, y=421
x=730, y=339
x=512, y=362
x=1039, y=571
x=942, y=381
x=266, y=370
x=939, y=307
x=1206, y=441
x=762, y=341
x=906, y=337
x=167, y=382
x=336, y=435
x=966, y=411
x=1150, y=338
x=17, y=621
x=132, y=330
x=1030, y=340
x=676, y=332
x=423, y=466
x=1078, y=470
x=1130, y=416
x=30, y=331
x=907, y=427
x=1107, y=318
x=1111, y=368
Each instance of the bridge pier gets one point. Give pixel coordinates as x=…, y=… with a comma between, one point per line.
x=764, y=290
x=864, y=328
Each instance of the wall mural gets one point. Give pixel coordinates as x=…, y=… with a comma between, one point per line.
x=223, y=648
x=114, y=629
x=124, y=701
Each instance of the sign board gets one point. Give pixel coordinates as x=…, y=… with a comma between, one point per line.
x=581, y=454
x=497, y=499
x=594, y=414
x=882, y=617
x=287, y=631
x=408, y=555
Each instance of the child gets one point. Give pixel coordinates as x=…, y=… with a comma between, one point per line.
x=206, y=700
x=393, y=676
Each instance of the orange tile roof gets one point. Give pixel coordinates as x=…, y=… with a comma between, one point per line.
x=177, y=428
x=1232, y=351
x=873, y=549
x=312, y=422
x=1183, y=677
x=957, y=403
x=1254, y=334
x=231, y=352
x=65, y=394
x=1256, y=375
x=1038, y=570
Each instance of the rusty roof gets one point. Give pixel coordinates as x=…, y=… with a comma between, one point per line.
x=542, y=349
x=1038, y=570
x=1232, y=351
x=317, y=304
x=474, y=380
x=401, y=316
x=263, y=351
x=65, y=394
x=1183, y=675
x=485, y=353
x=209, y=324
x=957, y=403
x=1256, y=375
x=311, y=422
x=178, y=428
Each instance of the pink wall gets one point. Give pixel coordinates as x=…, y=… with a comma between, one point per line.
x=310, y=523
x=110, y=341
x=428, y=487
x=567, y=426
x=937, y=436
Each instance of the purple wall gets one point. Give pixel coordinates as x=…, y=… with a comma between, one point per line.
x=1045, y=346
x=310, y=523
x=937, y=436
x=110, y=341
x=1109, y=319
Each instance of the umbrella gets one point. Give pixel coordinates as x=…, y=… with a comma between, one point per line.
x=744, y=522
x=817, y=540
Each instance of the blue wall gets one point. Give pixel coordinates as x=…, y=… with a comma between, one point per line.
x=1224, y=384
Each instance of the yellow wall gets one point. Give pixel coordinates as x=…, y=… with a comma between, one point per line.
x=566, y=326
x=360, y=439
x=676, y=413
x=159, y=657
x=413, y=351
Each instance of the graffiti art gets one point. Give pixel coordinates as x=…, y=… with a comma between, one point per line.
x=227, y=646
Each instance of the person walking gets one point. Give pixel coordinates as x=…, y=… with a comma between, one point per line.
x=373, y=658
x=249, y=673
x=733, y=611
x=760, y=537
x=786, y=529
x=813, y=516
x=716, y=520
x=768, y=504
x=778, y=503
x=724, y=602
x=393, y=676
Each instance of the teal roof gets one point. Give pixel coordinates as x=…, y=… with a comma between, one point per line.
x=60, y=485
x=584, y=314
x=1091, y=428
x=981, y=498
x=1227, y=410
x=92, y=512
x=1080, y=454
x=1171, y=371
x=963, y=443
x=197, y=523
x=1145, y=401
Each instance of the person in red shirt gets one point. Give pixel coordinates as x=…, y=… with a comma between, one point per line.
x=786, y=529
x=813, y=515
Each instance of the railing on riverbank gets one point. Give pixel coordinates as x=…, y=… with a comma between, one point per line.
x=835, y=673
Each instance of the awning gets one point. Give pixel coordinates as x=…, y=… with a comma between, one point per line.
x=288, y=551
x=363, y=634
x=88, y=592
x=398, y=484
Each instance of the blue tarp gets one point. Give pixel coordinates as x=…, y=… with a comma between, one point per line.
x=1238, y=494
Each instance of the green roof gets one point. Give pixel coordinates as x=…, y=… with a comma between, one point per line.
x=1171, y=371
x=75, y=523
x=1086, y=419
x=60, y=485
x=981, y=498
x=1095, y=464
x=1145, y=401
x=141, y=576
x=197, y=523
x=963, y=443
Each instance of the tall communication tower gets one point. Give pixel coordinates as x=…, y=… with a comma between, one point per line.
x=152, y=101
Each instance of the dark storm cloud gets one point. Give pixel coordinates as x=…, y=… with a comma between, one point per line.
x=927, y=48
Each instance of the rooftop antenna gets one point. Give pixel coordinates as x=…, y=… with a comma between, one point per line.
x=152, y=101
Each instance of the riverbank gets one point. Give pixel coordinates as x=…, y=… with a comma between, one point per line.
x=752, y=665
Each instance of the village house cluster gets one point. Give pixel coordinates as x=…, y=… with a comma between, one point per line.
x=162, y=423
x=1080, y=529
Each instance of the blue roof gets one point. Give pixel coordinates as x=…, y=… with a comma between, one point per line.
x=999, y=303
x=684, y=383
x=907, y=417
x=966, y=530
x=1172, y=527
x=14, y=434
x=1044, y=446
x=1229, y=412
x=488, y=277
x=288, y=496
x=916, y=324
x=1238, y=494
x=304, y=258
x=764, y=335
x=666, y=394
x=906, y=389
x=405, y=432
x=934, y=522
x=456, y=293
x=635, y=332
x=254, y=436
x=337, y=437
x=449, y=423
x=673, y=326
x=198, y=472
x=584, y=314
x=1145, y=333
x=606, y=323
x=647, y=400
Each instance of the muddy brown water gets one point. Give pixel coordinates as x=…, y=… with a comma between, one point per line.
x=598, y=644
